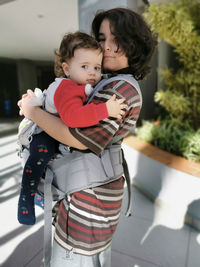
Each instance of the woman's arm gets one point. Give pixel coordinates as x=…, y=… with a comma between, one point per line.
x=97, y=138
x=52, y=125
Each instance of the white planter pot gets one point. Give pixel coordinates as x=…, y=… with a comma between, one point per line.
x=166, y=179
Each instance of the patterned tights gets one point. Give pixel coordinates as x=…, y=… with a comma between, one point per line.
x=42, y=148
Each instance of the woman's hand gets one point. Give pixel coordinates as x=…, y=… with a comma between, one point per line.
x=24, y=104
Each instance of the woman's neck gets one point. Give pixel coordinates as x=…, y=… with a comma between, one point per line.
x=116, y=72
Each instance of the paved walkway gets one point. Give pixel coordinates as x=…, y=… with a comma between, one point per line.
x=134, y=245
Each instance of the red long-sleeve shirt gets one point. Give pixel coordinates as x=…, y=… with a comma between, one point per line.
x=69, y=101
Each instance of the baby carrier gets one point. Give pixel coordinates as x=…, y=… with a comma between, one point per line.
x=63, y=173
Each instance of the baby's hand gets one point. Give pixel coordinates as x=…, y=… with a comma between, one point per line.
x=115, y=107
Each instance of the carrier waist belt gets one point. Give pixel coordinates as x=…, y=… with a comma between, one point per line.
x=75, y=171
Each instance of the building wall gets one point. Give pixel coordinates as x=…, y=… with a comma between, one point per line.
x=16, y=77
x=88, y=8
x=26, y=73
x=8, y=88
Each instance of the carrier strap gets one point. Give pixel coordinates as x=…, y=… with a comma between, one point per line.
x=124, y=77
x=128, y=182
x=47, y=217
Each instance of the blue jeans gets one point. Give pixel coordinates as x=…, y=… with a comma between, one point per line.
x=64, y=258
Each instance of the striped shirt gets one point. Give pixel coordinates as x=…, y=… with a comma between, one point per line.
x=86, y=220
x=97, y=137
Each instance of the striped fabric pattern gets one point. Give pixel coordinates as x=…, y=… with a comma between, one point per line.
x=97, y=137
x=86, y=220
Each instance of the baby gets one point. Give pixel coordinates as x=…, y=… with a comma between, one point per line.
x=78, y=68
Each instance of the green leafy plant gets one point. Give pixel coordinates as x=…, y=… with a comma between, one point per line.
x=178, y=131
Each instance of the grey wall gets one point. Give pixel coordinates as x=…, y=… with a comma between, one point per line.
x=88, y=8
x=26, y=73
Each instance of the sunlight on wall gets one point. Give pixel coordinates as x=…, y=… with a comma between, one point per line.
x=198, y=239
x=172, y=202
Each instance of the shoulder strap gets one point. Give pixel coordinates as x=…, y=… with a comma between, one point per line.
x=129, y=79
x=124, y=77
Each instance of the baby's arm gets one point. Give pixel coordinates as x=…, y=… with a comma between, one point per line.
x=69, y=99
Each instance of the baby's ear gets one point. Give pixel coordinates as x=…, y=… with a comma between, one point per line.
x=65, y=67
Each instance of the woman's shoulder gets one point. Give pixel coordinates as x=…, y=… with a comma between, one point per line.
x=122, y=80
x=128, y=88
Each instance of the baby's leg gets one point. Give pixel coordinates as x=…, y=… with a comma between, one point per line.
x=42, y=148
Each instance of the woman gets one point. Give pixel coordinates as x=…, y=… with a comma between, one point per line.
x=86, y=220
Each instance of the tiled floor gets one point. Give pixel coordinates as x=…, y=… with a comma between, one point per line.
x=21, y=246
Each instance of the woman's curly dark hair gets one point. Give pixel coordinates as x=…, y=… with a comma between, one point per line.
x=133, y=36
x=69, y=44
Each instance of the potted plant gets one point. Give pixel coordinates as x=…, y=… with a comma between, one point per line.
x=176, y=128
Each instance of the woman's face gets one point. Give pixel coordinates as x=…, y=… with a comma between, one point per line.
x=114, y=58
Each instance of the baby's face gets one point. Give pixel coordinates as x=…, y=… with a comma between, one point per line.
x=85, y=66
